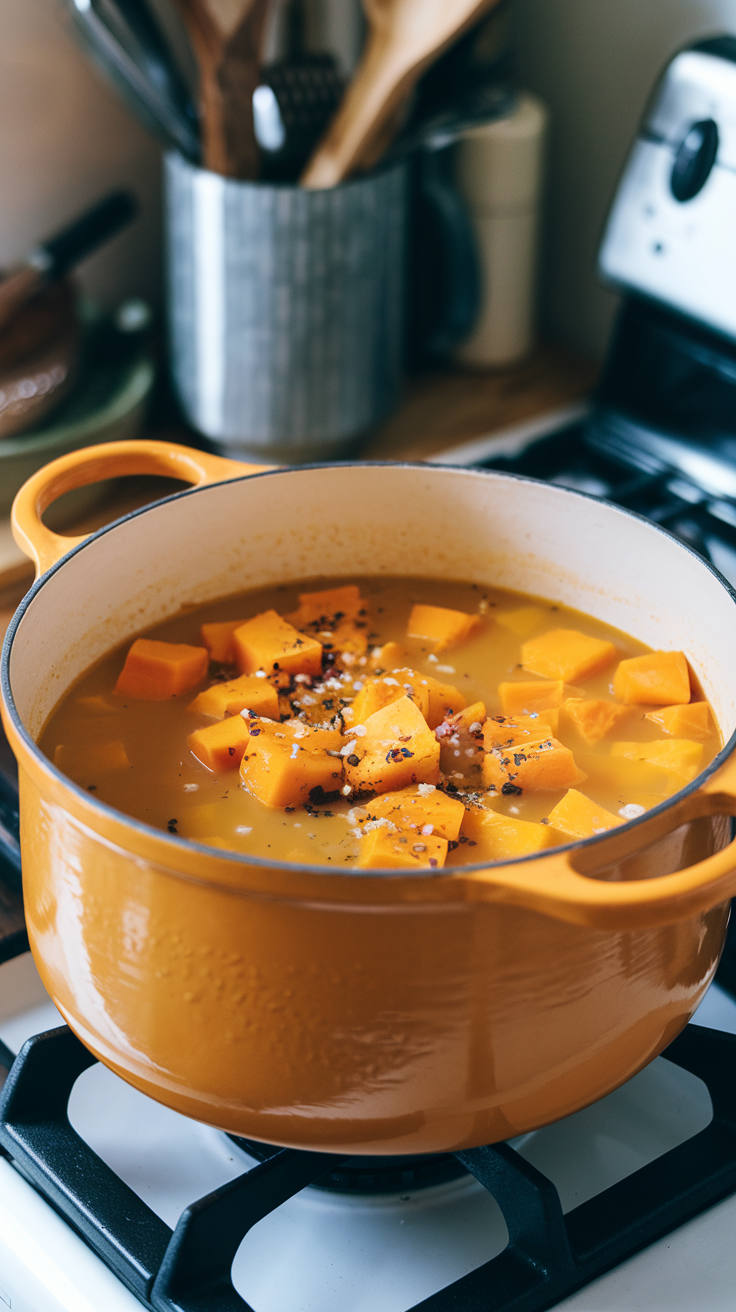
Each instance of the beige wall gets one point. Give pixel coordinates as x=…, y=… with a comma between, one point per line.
x=65, y=140
x=594, y=62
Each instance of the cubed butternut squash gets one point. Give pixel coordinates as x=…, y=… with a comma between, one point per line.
x=502, y=837
x=154, y=671
x=682, y=756
x=421, y=809
x=440, y=626
x=591, y=719
x=525, y=697
x=566, y=654
x=329, y=606
x=522, y=621
x=659, y=678
x=444, y=701
x=579, y=816
x=397, y=749
x=91, y=759
x=218, y=639
x=220, y=746
x=245, y=693
x=388, y=657
x=284, y=763
x=268, y=643
x=535, y=767
x=382, y=690
x=694, y=720
x=461, y=740
x=510, y=730
x=382, y=850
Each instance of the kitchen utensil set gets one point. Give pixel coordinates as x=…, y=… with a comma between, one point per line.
x=271, y=122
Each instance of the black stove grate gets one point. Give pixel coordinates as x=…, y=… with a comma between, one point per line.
x=609, y=455
x=549, y=1255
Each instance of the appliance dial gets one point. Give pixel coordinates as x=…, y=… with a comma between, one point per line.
x=694, y=160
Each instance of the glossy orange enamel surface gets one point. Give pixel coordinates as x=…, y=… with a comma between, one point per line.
x=371, y=1014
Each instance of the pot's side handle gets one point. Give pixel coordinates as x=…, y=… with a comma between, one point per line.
x=93, y=464
x=552, y=886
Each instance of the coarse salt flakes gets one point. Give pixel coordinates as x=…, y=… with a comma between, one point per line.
x=425, y=789
x=244, y=829
x=631, y=811
x=346, y=791
x=349, y=748
x=446, y=669
x=294, y=751
x=302, y=678
x=475, y=726
x=356, y=814
x=260, y=674
x=359, y=730
x=433, y=658
x=191, y=788
x=426, y=830
x=358, y=687
x=306, y=700
x=392, y=683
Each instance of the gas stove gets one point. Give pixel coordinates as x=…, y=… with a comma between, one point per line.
x=109, y=1201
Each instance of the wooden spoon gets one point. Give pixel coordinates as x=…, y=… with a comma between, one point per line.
x=226, y=37
x=404, y=37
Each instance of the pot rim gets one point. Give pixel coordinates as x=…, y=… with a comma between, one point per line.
x=176, y=842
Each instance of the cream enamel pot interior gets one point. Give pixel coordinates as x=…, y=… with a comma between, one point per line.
x=349, y=1012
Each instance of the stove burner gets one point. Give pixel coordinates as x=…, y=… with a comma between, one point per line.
x=374, y=1175
x=549, y=1254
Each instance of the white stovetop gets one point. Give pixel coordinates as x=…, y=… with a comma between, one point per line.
x=328, y=1253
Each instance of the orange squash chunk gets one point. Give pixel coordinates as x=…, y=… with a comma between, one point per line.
x=218, y=639
x=509, y=730
x=531, y=767
x=245, y=693
x=694, y=720
x=592, y=719
x=679, y=755
x=461, y=740
x=577, y=816
x=91, y=758
x=501, y=837
x=220, y=746
x=566, y=654
x=418, y=808
x=441, y=626
x=660, y=678
x=383, y=690
x=268, y=642
x=154, y=671
x=524, y=698
x=388, y=657
x=380, y=849
x=444, y=701
x=397, y=749
x=328, y=606
x=283, y=763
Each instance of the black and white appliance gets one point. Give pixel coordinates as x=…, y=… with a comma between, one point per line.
x=110, y=1202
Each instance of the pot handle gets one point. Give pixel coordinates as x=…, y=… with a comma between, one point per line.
x=552, y=885
x=92, y=465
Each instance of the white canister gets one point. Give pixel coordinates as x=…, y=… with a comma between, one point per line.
x=499, y=169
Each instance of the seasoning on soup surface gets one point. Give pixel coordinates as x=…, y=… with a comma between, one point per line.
x=389, y=723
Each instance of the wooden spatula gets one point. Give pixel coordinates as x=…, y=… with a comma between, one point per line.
x=404, y=37
x=227, y=36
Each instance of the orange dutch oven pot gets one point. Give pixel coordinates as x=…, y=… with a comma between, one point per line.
x=362, y=1013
